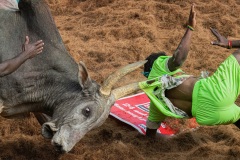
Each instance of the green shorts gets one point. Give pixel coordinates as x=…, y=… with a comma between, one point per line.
x=214, y=97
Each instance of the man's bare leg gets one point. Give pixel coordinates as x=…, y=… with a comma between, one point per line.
x=151, y=133
x=237, y=124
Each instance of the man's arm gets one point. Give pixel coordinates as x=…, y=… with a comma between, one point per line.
x=29, y=51
x=224, y=42
x=177, y=59
x=181, y=52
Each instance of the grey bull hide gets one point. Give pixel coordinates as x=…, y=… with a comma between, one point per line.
x=53, y=83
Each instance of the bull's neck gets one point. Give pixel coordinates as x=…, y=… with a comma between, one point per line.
x=45, y=95
x=58, y=94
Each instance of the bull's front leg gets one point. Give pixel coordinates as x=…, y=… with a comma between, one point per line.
x=9, y=113
x=18, y=111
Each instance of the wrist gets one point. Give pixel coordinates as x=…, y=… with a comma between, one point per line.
x=24, y=56
x=229, y=44
x=190, y=27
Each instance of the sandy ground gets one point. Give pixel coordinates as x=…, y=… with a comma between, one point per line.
x=108, y=34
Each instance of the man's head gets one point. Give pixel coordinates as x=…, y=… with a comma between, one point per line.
x=151, y=58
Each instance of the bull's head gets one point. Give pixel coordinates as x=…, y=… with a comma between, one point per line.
x=70, y=123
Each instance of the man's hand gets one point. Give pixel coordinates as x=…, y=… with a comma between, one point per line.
x=33, y=49
x=192, y=17
x=221, y=40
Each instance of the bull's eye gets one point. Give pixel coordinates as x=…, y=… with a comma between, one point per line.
x=86, y=112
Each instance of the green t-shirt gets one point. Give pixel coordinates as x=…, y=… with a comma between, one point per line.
x=160, y=67
x=158, y=107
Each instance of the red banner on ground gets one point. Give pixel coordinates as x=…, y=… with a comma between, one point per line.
x=133, y=110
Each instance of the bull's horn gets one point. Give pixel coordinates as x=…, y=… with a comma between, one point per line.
x=125, y=90
x=114, y=77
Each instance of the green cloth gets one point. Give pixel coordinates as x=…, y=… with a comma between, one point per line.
x=214, y=97
x=160, y=68
x=158, y=108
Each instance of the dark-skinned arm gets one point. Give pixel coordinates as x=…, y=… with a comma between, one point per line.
x=223, y=41
x=178, y=58
x=181, y=53
x=29, y=51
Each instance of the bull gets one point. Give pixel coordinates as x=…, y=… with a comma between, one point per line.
x=66, y=101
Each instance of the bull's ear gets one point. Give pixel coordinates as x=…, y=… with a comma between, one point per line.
x=42, y=118
x=83, y=77
x=48, y=130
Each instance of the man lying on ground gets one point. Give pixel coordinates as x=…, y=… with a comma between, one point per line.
x=173, y=94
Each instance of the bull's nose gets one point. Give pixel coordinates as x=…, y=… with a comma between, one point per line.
x=58, y=147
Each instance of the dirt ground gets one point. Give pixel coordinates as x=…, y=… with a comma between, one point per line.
x=108, y=34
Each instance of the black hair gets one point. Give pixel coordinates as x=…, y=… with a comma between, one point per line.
x=151, y=58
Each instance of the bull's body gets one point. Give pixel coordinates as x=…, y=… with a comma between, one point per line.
x=53, y=70
x=51, y=83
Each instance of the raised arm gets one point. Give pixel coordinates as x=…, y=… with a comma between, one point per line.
x=181, y=52
x=224, y=42
x=174, y=63
x=29, y=51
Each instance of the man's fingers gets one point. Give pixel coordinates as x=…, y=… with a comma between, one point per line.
x=194, y=15
x=38, y=42
x=26, y=40
x=39, y=50
x=215, y=32
x=40, y=45
x=192, y=8
x=215, y=43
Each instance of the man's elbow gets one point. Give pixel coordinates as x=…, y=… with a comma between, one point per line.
x=178, y=63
